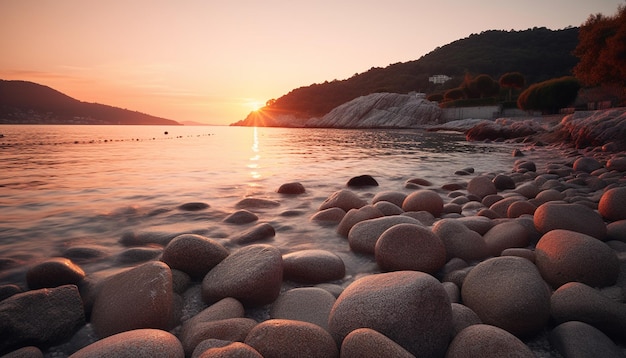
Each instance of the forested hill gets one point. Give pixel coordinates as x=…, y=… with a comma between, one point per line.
x=538, y=53
x=24, y=102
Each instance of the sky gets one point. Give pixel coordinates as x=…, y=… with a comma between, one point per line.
x=215, y=61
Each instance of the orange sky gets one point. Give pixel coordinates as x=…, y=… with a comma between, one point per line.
x=214, y=61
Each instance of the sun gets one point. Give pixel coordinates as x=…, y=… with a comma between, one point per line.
x=255, y=105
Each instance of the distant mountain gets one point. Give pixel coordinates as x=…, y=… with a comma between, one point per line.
x=23, y=102
x=538, y=53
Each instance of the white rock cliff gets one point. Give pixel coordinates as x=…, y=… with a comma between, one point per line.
x=381, y=110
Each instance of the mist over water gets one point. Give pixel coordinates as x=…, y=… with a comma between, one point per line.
x=77, y=186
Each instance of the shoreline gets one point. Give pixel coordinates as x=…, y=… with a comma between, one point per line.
x=583, y=184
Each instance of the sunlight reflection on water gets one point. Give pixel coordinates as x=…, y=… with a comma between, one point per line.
x=91, y=184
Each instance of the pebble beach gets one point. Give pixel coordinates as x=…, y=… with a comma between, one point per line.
x=529, y=262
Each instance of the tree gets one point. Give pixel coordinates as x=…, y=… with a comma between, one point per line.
x=549, y=96
x=512, y=80
x=479, y=87
x=602, y=50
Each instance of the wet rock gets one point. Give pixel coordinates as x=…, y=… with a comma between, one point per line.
x=616, y=231
x=259, y=232
x=563, y=256
x=241, y=217
x=256, y=203
x=489, y=200
x=330, y=215
x=193, y=206
x=504, y=236
x=519, y=208
x=617, y=164
x=135, y=343
x=291, y=188
x=587, y=164
x=54, y=272
x=394, y=197
x=462, y=317
x=481, y=186
x=575, y=301
x=460, y=241
x=479, y=224
x=355, y=216
x=313, y=266
x=481, y=340
x=26, y=352
x=524, y=165
x=343, y=199
x=547, y=195
x=286, y=338
x=253, y=275
x=424, y=200
x=193, y=254
x=229, y=350
x=523, y=253
x=362, y=236
x=501, y=207
x=223, y=309
x=85, y=253
x=508, y=292
x=40, y=317
x=367, y=343
x=424, y=217
x=612, y=204
x=409, y=307
x=574, y=217
x=528, y=190
x=361, y=181
x=410, y=247
x=229, y=329
x=388, y=209
x=503, y=182
x=141, y=297
x=306, y=304
x=136, y=255
x=575, y=339
x=419, y=182
x=7, y=291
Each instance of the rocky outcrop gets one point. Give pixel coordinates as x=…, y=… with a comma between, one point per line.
x=596, y=128
x=381, y=110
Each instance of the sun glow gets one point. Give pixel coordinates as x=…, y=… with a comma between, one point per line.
x=255, y=105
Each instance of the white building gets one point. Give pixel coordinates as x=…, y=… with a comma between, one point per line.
x=439, y=79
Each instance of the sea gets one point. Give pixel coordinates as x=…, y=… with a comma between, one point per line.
x=65, y=186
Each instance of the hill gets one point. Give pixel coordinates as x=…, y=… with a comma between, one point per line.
x=24, y=102
x=538, y=53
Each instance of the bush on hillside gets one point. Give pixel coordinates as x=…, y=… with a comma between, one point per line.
x=549, y=96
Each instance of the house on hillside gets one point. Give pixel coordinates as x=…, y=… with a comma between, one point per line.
x=439, y=79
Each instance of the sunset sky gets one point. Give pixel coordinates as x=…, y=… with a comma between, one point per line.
x=215, y=61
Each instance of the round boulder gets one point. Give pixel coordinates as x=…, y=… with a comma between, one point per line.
x=508, y=292
x=424, y=200
x=313, y=266
x=136, y=343
x=291, y=188
x=54, y=272
x=363, y=235
x=460, y=241
x=367, y=343
x=574, y=217
x=193, y=254
x=362, y=180
x=230, y=350
x=573, y=338
x=253, y=275
x=563, y=256
x=410, y=247
x=285, y=338
x=241, y=217
x=355, y=216
x=586, y=164
x=612, y=204
x=343, y=199
x=506, y=235
x=481, y=340
x=481, y=186
x=394, y=197
x=411, y=308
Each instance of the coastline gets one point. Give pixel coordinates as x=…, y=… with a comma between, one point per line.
x=577, y=184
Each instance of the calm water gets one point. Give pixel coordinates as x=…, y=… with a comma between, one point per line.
x=66, y=186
